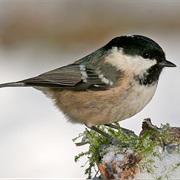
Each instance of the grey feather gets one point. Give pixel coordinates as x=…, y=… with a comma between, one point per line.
x=84, y=74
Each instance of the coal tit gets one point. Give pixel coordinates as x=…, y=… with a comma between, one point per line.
x=111, y=84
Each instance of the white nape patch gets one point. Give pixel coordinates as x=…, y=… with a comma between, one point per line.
x=132, y=64
x=105, y=80
x=83, y=73
x=128, y=35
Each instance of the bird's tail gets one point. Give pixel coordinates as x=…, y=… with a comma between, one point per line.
x=13, y=84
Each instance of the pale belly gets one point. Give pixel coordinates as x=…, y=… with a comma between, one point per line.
x=103, y=107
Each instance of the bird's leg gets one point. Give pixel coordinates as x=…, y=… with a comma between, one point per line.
x=112, y=139
x=112, y=126
x=127, y=131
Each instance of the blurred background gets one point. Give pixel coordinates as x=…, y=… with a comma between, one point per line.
x=38, y=36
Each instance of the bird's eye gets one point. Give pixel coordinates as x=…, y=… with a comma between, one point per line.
x=146, y=55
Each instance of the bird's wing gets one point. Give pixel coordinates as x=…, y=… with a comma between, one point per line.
x=74, y=76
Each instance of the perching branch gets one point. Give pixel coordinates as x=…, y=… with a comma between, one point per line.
x=154, y=154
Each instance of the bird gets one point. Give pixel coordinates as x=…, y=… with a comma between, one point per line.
x=111, y=84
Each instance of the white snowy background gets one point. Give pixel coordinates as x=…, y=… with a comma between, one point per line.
x=35, y=138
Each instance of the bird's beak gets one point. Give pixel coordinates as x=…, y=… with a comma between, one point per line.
x=166, y=63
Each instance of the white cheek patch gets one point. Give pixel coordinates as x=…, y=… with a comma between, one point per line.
x=132, y=64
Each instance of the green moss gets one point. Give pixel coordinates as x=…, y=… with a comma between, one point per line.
x=143, y=145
